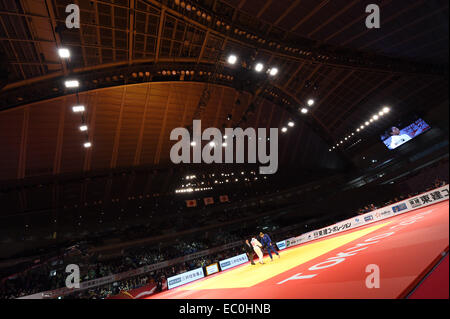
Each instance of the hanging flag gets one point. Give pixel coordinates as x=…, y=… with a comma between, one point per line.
x=224, y=198
x=208, y=200
x=191, y=203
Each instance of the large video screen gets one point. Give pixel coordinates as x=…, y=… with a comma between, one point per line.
x=395, y=136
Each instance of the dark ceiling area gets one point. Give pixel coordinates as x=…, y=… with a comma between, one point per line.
x=146, y=67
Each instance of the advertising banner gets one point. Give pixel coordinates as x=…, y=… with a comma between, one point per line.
x=281, y=245
x=185, y=278
x=212, y=269
x=233, y=261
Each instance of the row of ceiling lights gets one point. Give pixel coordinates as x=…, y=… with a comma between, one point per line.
x=189, y=187
x=385, y=110
x=258, y=66
x=64, y=53
x=273, y=71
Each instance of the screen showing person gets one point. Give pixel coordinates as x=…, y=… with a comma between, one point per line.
x=396, y=137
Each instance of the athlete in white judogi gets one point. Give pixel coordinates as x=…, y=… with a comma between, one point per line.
x=257, y=248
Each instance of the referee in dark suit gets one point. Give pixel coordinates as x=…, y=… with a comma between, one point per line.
x=249, y=250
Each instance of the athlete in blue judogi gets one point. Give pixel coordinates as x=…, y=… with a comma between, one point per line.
x=267, y=242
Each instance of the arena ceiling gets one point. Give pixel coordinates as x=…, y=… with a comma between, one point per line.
x=133, y=59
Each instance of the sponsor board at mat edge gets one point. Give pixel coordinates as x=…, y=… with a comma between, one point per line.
x=212, y=269
x=184, y=278
x=428, y=198
x=281, y=245
x=233, y=261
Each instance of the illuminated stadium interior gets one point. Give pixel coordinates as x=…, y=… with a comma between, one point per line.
x=353, y=122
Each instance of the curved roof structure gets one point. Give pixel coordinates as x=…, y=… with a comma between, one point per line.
x=148, y=66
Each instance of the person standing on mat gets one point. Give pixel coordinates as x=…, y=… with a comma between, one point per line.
x=267, y=242
x=249, y=251
x=257, y=248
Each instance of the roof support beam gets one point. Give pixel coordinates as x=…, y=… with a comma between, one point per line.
x=358, y=101
x=60, y=137
x=51, y=14
x=163, y=129
x=115, y=151
x=264, y=8
x=137, y=156
x=131, y=30
x=160, y=30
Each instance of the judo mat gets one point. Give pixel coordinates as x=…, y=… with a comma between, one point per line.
x=387, y=259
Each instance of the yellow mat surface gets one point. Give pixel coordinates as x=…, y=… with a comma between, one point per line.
x=250, y=275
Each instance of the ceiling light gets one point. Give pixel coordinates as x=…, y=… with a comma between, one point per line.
x=273, y=71
x=78, y=108
x=83, y=128
x=386, y=109
x=71, y=84
x=304, y=110
x=310, y=102
x=193, y=143
x=284, y=129
x=291, y=124
x=64, y=53
x=87, y=144
x=232, y=59
x=375, y=117
x=259, y=67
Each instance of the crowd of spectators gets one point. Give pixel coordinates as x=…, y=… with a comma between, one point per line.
x=371, y=207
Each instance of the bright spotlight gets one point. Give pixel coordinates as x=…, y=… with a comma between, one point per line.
x=375, y=117
x=193, y=143
x=259, y=67
x=224, y=144
x=273, y=71
x=284, y=129
x=87, y=144
x=357, y=130
x=304, y=110
x=386, y=109
x=78, y=108
x=71, y=84
x=232, y=59
x=310, y=102
x=367, y=123
x=381, y=113
x=291, y=124
x=362, y=127
x=212, y=144
x=64, y=53
x=83, y=128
